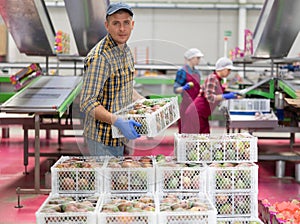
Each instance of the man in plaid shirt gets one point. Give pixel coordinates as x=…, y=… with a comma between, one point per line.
x=108, y=85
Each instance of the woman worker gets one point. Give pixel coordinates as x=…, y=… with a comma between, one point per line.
x=210, y=95
x=187, y=81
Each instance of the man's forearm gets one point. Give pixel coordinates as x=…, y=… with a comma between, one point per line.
x=100, y=113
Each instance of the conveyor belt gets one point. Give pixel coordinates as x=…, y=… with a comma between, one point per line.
x=47, y=94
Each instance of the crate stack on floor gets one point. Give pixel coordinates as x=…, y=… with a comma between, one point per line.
x=76, y=186
x=181, y=192
x=212, y=180
x=232, y=175
x=128, y=191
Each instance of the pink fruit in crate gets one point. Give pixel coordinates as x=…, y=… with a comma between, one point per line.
x=228, y=165
x=221, y=199
x=68, y=184
x=195, y=182
x=155, y=107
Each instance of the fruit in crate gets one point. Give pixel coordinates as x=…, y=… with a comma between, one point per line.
x=83, y=184
x=192, y=155
x=225, y=209
x=141, y=204
x=67, y=183
x=69, y=204
x=130, y=162
x=286, y=211
x=205, y=155
x=232, y=175
x=147, y=106
x=223, y=182
x=173, y=183
x=221, y=199
x=77, y=162
x=160, y=158
x=186, y=182
x=171, y=202
x=195, y=183
x=218, y=155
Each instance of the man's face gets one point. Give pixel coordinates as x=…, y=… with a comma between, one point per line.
x=119, y=25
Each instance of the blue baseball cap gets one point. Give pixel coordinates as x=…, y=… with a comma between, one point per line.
x=114, y=7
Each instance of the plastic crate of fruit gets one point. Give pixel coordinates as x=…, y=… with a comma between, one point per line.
x=172, y=176
x=62, y=209
x=185, y=208
x=233, y=177
x=155, y=115
x=235, y=147
x=236, y=204
x=82, y=175
x=127, y=209
x=248, y=106
x=279, y=212
x=239, y=221
x=131, y=174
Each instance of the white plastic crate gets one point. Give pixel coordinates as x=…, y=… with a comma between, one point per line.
x=248, y=106
x=127, y=209
x=82, y=175
x=205, y=148
x=73, y=209
x=155, y=115
x=172, y=176
x=185, y=208
x=239, y=221
x=129, y=175
x=236, y=204
x=233, y=177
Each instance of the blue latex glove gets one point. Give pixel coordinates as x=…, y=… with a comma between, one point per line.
x=231, y=95
x=186, y=87
x=127, y=128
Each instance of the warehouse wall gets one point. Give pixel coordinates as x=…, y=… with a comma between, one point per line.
x=167, y=33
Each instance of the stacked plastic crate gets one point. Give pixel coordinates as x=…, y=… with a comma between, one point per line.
x=247, y=106
x=129, y=184
x=181, y=192
x=232, y=177
x=77, y=183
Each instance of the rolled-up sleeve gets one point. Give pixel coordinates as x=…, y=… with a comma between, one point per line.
x=180, y=79
x=211, y=89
